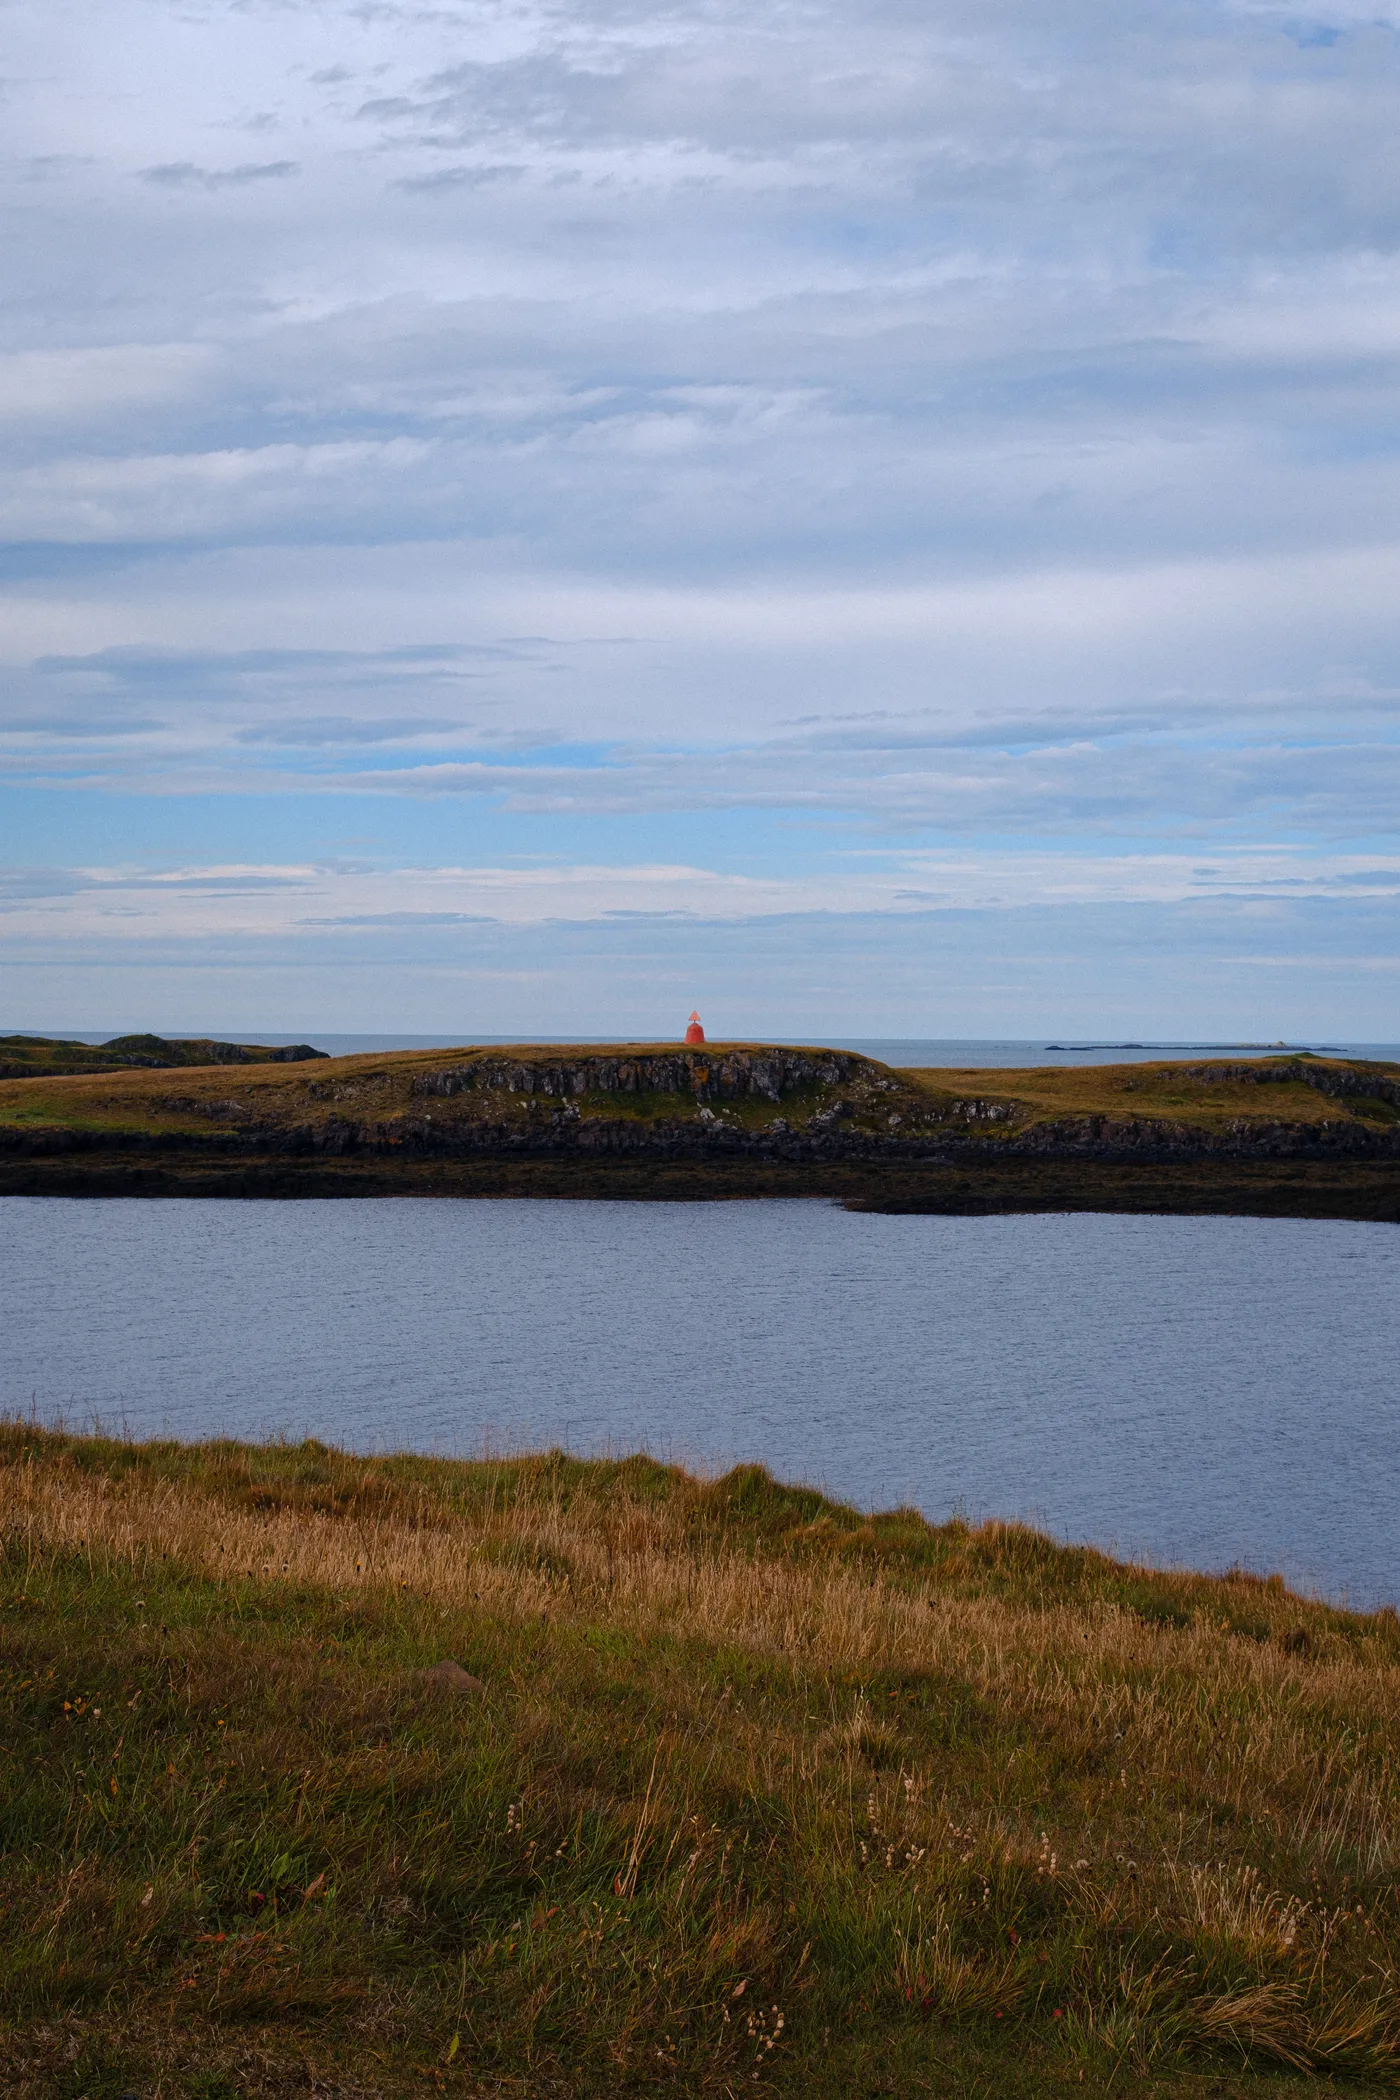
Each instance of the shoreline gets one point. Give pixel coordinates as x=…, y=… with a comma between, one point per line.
x=1361, y=1190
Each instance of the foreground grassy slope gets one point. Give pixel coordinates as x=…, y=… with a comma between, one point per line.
x=752, y=1794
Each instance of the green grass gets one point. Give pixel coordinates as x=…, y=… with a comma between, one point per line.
x=760, y=1794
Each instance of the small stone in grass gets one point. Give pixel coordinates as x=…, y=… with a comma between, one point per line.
x=450, y=1677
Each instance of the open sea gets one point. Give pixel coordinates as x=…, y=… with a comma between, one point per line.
x=958, y=1052
x=1196, y=1391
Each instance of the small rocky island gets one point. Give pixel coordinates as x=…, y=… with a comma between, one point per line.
x=1293, y=1135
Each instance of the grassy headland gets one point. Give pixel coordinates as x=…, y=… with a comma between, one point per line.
x=54, y=1057
x=751, y=1793
x=1296, y=1134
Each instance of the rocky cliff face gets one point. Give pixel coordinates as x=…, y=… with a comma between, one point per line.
x=567, y=1135
x=1122, y=1138
x=734, y=1075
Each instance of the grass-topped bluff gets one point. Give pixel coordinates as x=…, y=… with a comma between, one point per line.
x=1293, y=1133
x=361, y=1777
x=36, y=1056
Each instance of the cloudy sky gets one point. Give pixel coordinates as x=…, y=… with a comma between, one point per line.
x=871, y=518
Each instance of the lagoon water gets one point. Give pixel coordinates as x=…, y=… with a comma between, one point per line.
x=1200, y=1391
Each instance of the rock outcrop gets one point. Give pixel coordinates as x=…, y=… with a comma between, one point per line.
x=701, y=1075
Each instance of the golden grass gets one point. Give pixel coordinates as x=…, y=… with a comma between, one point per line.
x=1257, y=1721
x=999, y=1793
x=639, y=1566
x=1174, y=1091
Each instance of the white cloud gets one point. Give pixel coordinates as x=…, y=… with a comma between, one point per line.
x=51, y=388
x=307, y=902
x=172, y=496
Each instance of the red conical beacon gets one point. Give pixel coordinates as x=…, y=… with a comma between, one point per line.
x=694, y=1033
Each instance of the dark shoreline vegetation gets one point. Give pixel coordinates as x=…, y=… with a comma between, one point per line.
x=1298, y=1135
x=733, y=1789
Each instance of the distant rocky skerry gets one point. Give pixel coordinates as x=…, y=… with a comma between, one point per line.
x=1300, y=1134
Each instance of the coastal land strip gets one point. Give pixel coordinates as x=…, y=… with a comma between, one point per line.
x=1298, y=1135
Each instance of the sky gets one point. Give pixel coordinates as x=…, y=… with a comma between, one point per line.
x=870, y=519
